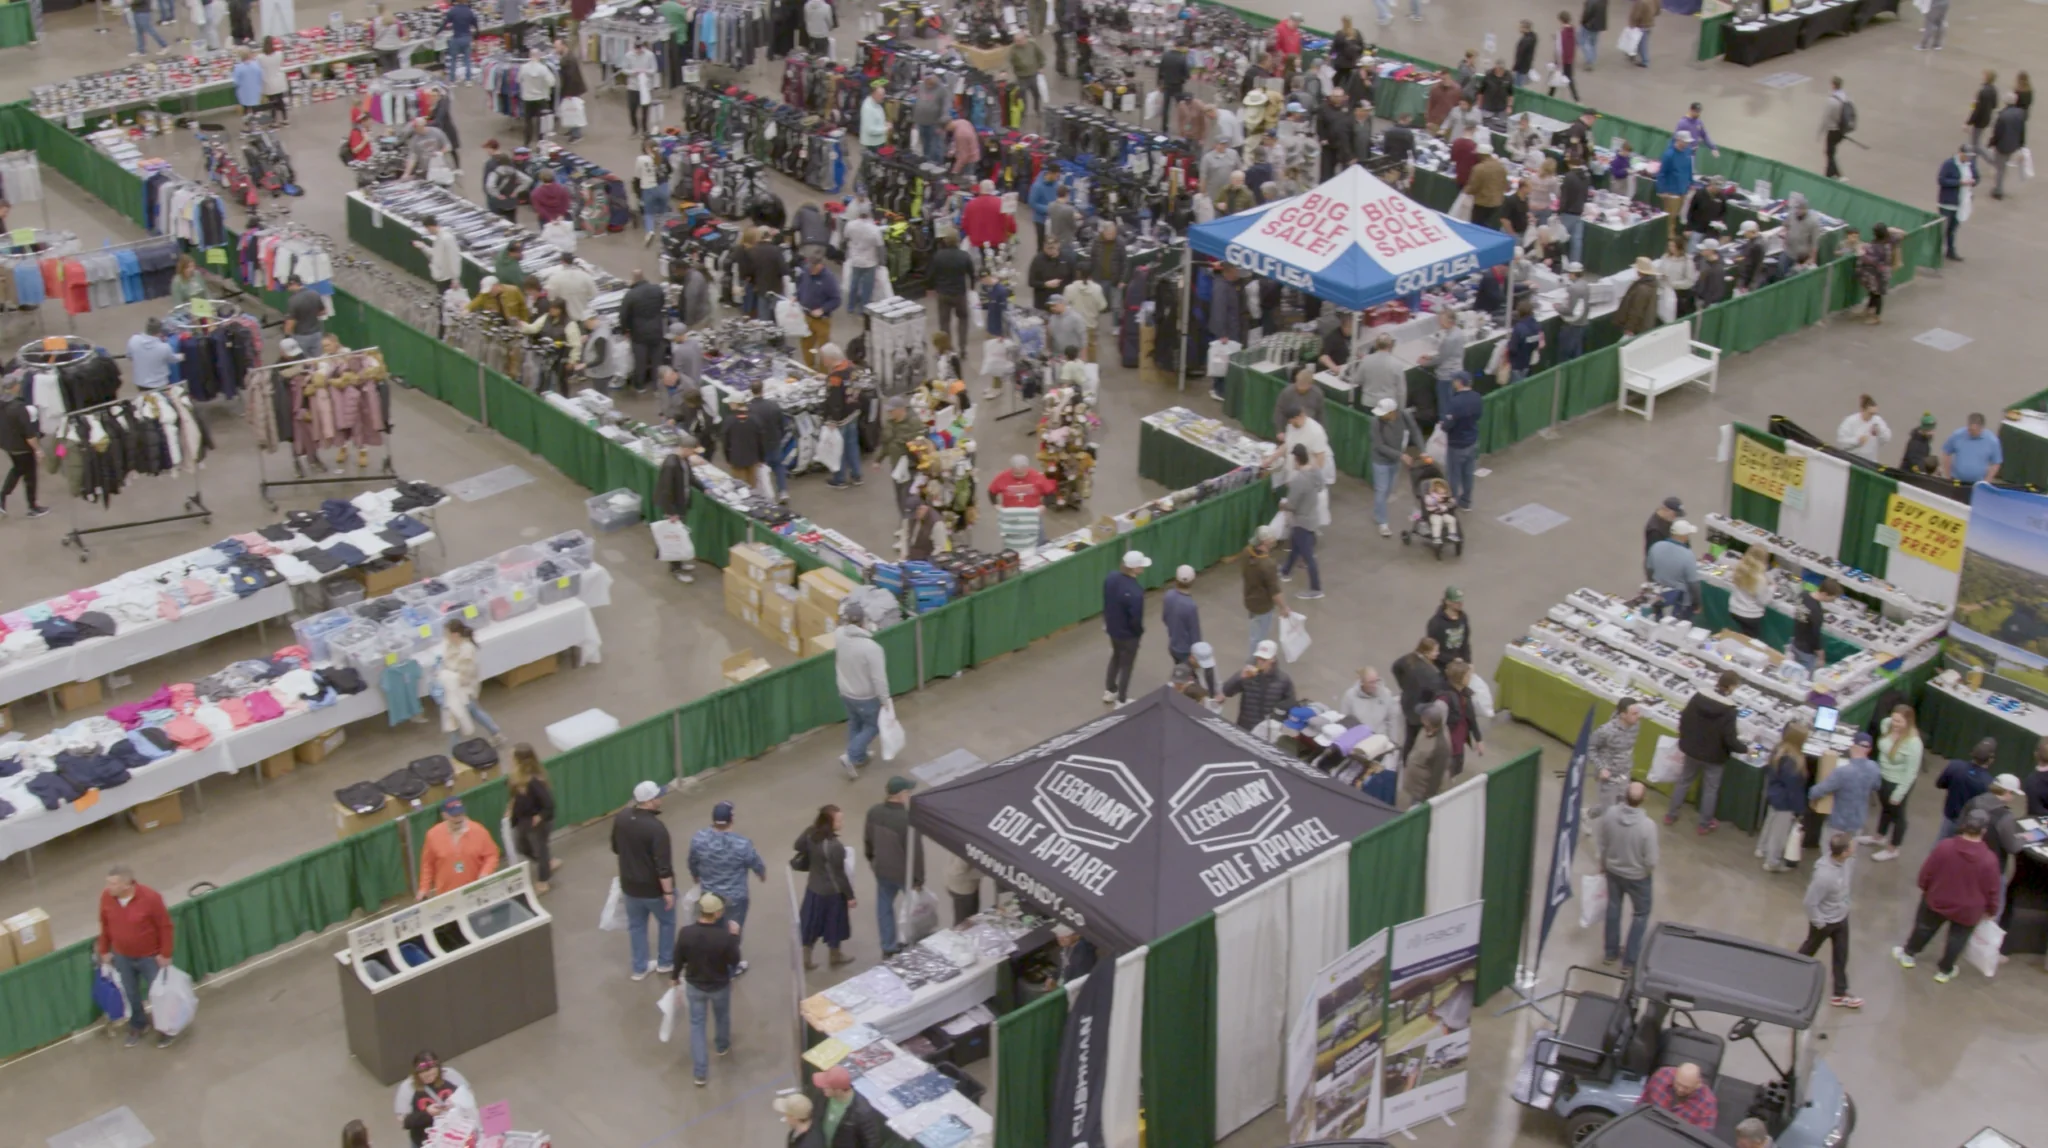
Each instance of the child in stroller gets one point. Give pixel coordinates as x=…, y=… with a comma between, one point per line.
x=1435, y=517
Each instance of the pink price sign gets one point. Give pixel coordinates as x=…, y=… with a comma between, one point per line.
x=496, y=1118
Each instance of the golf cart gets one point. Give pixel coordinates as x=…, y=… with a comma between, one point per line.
x=1649, y=1127
x=1619, y=1031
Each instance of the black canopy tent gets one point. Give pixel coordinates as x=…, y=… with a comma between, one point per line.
x=1139, y=822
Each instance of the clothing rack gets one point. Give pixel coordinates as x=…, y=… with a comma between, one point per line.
x=38, y=355
x=195, y=503
x=387, y=473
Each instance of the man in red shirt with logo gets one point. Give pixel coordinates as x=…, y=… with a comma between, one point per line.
x=1683, y=1093
x=135, y=940
x=1022, y=486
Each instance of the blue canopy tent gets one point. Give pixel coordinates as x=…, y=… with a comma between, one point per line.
x=1353, y=241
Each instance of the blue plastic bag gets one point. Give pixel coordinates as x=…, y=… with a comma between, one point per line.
x=107, y=995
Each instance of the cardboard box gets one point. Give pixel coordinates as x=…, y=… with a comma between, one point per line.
x=741, y=590
x=791, y=641
x=30, y=933
x=778, y=612
x=820, y=643
x=743, y=665
x=6, y=952
x=314, y=752
x=762, y=563
x=6, y=719
x=467, y=779
x=824, y=588
x=278, y=764
x=532, y=671
x=80, y=695
x=376, y=582
x=165, y=810
x=347, y=822
x=813, y=621
x=751, y=615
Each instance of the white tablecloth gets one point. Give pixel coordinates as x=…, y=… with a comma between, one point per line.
x=548, y=630
x=132, y=643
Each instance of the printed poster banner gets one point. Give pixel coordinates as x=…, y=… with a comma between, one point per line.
x=1433, y=972
x=1333, y=1052
x=1565, y=839
x=2001, y=619
x=1766, y=471
x=1927, y=533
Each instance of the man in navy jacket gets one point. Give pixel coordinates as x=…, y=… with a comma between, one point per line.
x=1957, y=171
x=1123, y=616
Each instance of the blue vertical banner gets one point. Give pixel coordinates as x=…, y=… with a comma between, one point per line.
x=1565, y=842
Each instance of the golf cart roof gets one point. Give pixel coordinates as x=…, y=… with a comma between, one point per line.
x=1649, y=1127
x=1693, y=968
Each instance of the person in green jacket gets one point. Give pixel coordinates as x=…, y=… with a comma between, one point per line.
x=678, y=18
x=507, y=267
x=899, y=430
x=1027, y=60
x=1898, y=767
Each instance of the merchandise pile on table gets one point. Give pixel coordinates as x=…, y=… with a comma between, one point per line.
x=1226, y=440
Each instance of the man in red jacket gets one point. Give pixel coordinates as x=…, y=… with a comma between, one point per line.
x=1959, y=887
x=984, y=221
x=135, y=938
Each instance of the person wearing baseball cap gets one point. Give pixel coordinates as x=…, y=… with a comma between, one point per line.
x=455, y=852
x=2001, y=829
x=707, y=958
x=795, y=1110
x=885, y=839
x=1658, y=528
x=1672, y=566
x=1959, y=887
x=1451, y=628
x=1265, y=687
x=1123, y=617
x=647, y=878
x=720, y=860
x=1852, y=783
x=1183, y=619
x=848, y=1121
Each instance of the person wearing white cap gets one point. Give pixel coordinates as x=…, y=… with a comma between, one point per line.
x=1265, y=687
x=1201, y=663
x=1183, y=619
x=1674, y=569
x=647, y=878
x=1397, y=440
x=1123, y=617
x=1576, y=313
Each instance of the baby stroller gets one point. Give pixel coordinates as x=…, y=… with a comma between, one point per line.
x=1425, y=478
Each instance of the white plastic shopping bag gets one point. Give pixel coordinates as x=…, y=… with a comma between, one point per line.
x=884, y=289
x=917, y=916
x=1439, y=444
x=901, y=474
x=1668, y=764
x=1294, y=639
x=1985, y=941
x=1631, y=39
x=831, y=446
x=672, y=541
x=1592, y=899
x=669, y=1006
x=172, y=1003
x=1794, y=841
x=2025, y=157
x=612, y=919
x=1461, y=207
x=892, y=733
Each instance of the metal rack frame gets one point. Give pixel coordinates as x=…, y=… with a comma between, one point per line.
x=195, y=503
x=389, y=471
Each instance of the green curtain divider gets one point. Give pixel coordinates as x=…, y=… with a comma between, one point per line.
x=1747, y=322
x=594, y=780
x=1179, y=1057
x=1591, y=382
x=714, y=529
x=1001, y=619
x=948, y=638
x=570, y=446
x=1516, y=411
x=1747, y=505
x=1388, y=866
x=1711, y=28
x=749, y=719
x=899, y=650
x=377, y=870
x=1862, y=514
x=511, y=409
x=626, y=470
x=47, y=999
x=461, y=380
x=1027, y=1061
x=1509, y=868
x=267, y=910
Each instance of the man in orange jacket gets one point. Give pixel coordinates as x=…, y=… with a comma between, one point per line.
x=455, y=852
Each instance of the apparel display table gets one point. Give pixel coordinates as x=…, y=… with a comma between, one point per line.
x=98, y=657
x=1792, y=31
x=1953, y=719
x=2025, y=443
x=1558, y=707
x=505, y=646
x=1605, y=249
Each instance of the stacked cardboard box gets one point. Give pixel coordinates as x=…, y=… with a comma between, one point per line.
x=817, y=606
x=760, y=590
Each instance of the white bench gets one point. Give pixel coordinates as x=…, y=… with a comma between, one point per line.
x=1664, y=360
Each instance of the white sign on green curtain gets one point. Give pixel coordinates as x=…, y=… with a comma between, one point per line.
x=1333, y=1051
x=1433, y=977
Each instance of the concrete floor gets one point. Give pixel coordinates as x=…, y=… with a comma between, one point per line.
x=594, y=1074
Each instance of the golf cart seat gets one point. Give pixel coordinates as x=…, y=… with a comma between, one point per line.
x=1679, y=1045
x=1596, y=1022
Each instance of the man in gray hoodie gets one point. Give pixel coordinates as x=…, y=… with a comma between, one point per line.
x=1827, y=912
x=928, y=113
x=1625, y=842
x=863, y=685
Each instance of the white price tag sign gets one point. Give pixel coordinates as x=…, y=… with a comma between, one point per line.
x=693, y=73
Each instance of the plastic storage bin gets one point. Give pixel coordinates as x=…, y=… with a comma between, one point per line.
x=313, y=632
x=570, y=543
x=513, y=594
x=359, y=645
x=613, y=510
